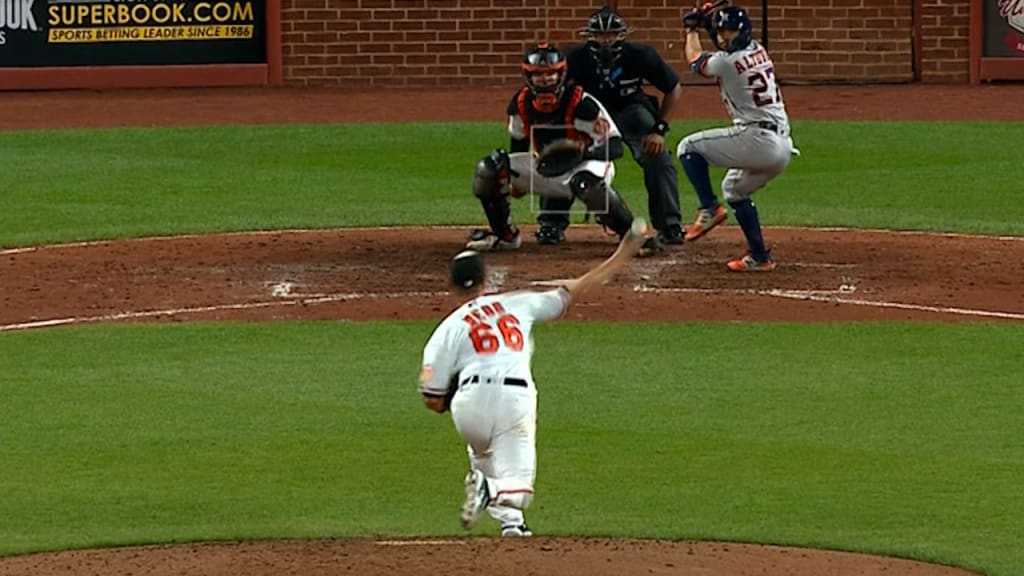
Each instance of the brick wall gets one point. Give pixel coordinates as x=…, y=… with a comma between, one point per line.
x=479, y=42
x=944, y=40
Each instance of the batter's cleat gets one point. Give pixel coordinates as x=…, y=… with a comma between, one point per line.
x=486, y=241
x=477, y=498
x=672, y=235
x=550, y=235
x=749, y=264
x=650, y=247
x=706, y=221
x=513, y=531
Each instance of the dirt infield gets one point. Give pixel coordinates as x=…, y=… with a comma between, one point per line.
x=824, y=275
x=839, y=275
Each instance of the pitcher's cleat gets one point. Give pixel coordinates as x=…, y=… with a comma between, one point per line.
x=477, y=498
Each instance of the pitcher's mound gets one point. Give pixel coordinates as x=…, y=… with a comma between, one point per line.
x=466, y=557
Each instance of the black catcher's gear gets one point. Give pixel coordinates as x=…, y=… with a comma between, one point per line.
x=490, y=184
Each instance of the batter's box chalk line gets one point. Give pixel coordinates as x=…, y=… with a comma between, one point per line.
x=837, y=297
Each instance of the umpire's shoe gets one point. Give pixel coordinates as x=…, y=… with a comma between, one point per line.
x=477, y=498
x=486, y=241
x=671, y=234
x=550, y=235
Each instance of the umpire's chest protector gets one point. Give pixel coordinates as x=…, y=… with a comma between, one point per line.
x=615, y=86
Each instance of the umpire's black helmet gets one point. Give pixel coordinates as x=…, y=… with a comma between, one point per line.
x=467, y=270
x=606, y=32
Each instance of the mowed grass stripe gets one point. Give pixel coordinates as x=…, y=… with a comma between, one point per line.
x=872, y=437
x=85, y=184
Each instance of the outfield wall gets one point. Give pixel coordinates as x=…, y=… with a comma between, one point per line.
x=461, y=43
x=478, y=42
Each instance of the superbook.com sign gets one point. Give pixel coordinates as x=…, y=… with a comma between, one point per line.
x=131, y=32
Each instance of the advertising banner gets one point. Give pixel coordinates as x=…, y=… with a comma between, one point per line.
x=1004, y=28
x=43, y=33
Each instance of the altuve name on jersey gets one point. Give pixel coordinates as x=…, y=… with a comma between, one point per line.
x=751, y=60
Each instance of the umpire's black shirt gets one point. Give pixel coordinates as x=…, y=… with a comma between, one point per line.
x=622, y=84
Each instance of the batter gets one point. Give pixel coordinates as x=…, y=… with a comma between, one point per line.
x=755, y=149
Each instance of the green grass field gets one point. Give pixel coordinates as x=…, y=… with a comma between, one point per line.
x=75, y=185
x=899, y=439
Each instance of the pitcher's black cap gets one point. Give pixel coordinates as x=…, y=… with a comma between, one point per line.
x=467, y=270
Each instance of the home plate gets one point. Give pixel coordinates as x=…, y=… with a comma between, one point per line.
x=281, y=289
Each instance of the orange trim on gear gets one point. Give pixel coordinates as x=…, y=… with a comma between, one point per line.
x=521, y=108
x=529, y=68
x=570, y=113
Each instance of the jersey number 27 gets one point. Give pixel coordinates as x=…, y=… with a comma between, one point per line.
x=485, y=341
x=763, y=87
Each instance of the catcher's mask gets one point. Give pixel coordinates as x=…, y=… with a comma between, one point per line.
x=606, y=32
x=467, y=270
x=734, y=18
x=544, y=60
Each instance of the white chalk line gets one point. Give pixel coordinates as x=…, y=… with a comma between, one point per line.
x=419, y=543
x=835, y=296
x=453, y=227
x=821, y=295
x=307, y=300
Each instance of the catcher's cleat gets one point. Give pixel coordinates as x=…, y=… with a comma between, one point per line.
x=550, y=235
x=750, y=264
x=513, y=531
x=486, y=241
x=707, y=219
x=477, y=498
x=650, y=247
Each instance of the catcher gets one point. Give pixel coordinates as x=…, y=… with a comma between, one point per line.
x=563, y=143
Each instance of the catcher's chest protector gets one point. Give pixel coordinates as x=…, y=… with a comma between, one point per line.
x=560, y=121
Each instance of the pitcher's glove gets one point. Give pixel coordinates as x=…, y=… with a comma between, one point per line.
x=560, y=157
x=453, y=387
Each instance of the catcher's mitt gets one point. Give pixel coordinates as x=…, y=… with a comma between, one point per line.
x=560, y=157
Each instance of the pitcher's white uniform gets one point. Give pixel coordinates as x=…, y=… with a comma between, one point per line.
x=757, y=147
x=487, y=342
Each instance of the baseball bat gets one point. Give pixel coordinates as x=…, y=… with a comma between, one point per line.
x=710, y=7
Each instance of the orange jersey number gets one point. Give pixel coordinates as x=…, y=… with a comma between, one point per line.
x=485, y=341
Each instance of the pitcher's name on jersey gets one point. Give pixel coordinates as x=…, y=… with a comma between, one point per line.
x=480, y=315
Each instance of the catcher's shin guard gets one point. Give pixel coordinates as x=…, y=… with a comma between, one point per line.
x=609, y=208
x=489, y=181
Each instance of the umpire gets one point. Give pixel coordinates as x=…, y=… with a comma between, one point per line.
x=613, y=70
